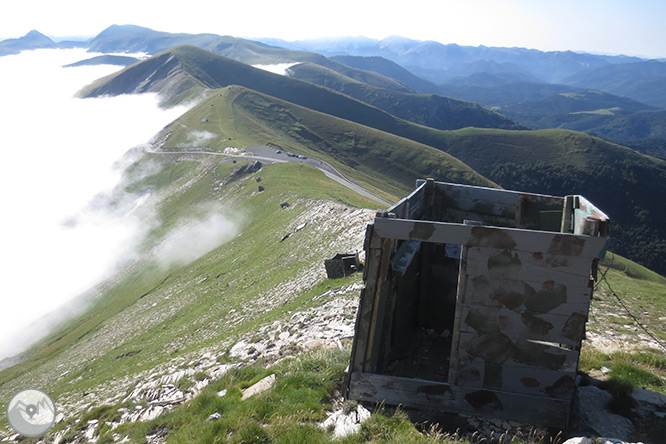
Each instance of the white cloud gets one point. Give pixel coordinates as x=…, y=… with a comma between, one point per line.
x=198, y=138
x=57, y=156
x=196, y=238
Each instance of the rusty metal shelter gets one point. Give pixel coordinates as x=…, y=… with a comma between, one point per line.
x=475, y=302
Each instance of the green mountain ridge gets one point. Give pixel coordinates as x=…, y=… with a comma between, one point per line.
x=377, y=160
x=430, y=110
x=551, y=161
x=389, y=69
x=184, y=72
x=129, y=38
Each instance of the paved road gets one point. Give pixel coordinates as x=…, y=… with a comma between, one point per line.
x=269, y=155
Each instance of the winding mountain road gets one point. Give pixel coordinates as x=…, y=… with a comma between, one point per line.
x=268, y=154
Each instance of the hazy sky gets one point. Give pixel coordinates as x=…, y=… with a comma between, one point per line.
x=633, y=27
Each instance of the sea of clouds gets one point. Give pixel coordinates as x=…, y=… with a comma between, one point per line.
x=58, y=153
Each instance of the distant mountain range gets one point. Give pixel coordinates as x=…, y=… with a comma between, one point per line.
x=32, y=40
x=438, y=62
x=513, y=79
x=509, y=80
x=303, y=115
x=378, y=89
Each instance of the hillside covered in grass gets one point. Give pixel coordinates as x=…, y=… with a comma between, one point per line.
x=178, y=298
x=163, y=338
x=425, y=109
x=379, y=161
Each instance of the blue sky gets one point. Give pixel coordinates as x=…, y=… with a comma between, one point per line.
x=633, y=27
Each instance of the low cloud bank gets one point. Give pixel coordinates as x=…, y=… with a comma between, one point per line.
x=196, y=238
x=59, y=238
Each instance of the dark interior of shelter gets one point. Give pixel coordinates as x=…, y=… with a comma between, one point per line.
x=422, y=314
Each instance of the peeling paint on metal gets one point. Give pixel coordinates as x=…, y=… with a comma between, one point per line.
x=536, y=325
x=549, y=297
x=567, y=245
x=495, y=348
x=503, y=260
x=574, y=328
x=491, y=237
x=422, y=230
x=484, y=400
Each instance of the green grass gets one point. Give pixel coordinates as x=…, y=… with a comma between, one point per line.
x=627, y=295
x=289, y=412
x=631, y=269
x=379, y=161
x=630, y=297
x=639, y=369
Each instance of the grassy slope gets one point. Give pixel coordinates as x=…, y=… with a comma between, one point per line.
x=643, y=293
x=382, y=162
x=389, y=69
x=151, y=313
x=625, y=326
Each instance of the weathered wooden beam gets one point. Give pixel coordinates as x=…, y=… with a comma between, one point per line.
x=561, y=329
x=412, y=206
x=538, y=296
x=498, y=262
x=377, y=313
x=454, y=362
x=490, y=237
x=438, y=397
x=494, y=195
x=567, y=215
x=368, y=294
x=497, y=348
x=476, y=373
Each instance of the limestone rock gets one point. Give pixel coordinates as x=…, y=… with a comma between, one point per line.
x=593, y=402
x=346, y=423
x=259, y=387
